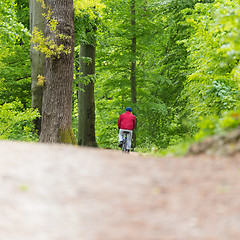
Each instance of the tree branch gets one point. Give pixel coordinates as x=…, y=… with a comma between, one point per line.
x=22, y=78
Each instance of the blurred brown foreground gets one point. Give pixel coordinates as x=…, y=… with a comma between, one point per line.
x=58, y=192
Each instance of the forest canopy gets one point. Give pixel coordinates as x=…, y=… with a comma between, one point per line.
x=175, y=63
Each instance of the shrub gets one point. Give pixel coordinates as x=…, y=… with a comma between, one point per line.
x=214, y=124
x=17, y=122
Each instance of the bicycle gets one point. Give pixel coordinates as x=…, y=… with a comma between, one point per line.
x=124, y=143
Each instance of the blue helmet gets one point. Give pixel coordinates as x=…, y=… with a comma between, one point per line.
x=128, y=109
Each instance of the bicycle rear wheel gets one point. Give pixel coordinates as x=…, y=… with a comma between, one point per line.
x=124, y=145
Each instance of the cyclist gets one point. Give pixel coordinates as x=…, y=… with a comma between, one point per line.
x=126, y=123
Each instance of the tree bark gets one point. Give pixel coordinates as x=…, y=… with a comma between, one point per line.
x=37, y=59
x=133, y=63
x=57, y=92
x=86, y=102
x=134, y=52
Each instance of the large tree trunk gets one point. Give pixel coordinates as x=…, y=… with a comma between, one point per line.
x=86, y=102
x=57, y=92
x=37, y=59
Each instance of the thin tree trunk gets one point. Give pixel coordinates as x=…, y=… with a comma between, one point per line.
x=37, y=59
x=86, y=102
x=57, y=92
x=134, y=51
x=133, y=64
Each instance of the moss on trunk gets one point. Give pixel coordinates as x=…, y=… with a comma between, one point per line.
x=67, y=136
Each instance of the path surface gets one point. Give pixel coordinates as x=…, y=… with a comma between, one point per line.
x=56, y=192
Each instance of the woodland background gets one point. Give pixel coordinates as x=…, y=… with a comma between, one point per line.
x=175, y=63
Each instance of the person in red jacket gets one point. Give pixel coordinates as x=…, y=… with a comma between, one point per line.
x=126, y=123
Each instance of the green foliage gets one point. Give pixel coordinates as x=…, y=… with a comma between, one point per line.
x=179, y=149
x=212, y=89
x=49, y=45
x=230, y=120
x=161, y=70
x=207, y=126
x=87, y=18
x=213, y=85
x=22, y=12
x=15, y=85
x=17, y=122
x=213, y=124
x=187, y=59
x=15, y=70
x=227, y=17
x=41, y=80
x=91, y=8
x=10, y=29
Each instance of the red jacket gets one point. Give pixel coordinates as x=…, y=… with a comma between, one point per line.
x=127, y=121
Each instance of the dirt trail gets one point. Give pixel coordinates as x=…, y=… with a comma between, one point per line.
x=57, y=192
